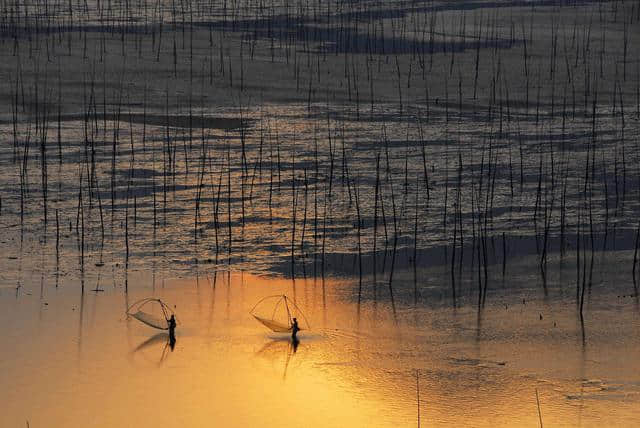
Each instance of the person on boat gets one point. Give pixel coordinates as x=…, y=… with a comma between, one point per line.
x=172, y=328
x=294, y=329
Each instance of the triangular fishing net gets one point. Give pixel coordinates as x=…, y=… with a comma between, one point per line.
x=277, y=313
x=152, y=312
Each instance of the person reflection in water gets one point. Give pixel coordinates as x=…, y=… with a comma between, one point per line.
x=172, y=332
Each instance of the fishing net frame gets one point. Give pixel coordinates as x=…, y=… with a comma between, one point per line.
x=277, y=326
x=150, y=319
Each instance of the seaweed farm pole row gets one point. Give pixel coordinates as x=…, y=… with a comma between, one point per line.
x=570, y=118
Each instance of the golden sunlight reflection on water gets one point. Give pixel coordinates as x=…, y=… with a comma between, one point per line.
x=76, y=361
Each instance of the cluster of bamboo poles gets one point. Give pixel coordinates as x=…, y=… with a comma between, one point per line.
x=309, y=176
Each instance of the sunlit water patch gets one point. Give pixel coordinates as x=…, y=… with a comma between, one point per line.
x=75, y=360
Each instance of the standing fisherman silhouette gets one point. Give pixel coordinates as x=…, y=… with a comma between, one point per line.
x=294, y=330
x=172, y=331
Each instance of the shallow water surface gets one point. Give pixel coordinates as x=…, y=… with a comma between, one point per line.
x=75, y=360
x=456, y=175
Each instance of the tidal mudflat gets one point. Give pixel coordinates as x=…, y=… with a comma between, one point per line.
x=449, y=190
